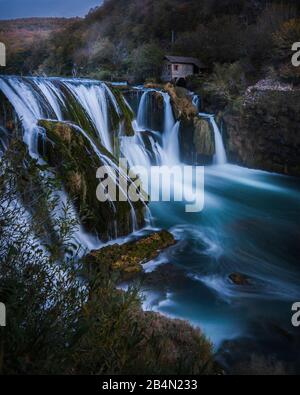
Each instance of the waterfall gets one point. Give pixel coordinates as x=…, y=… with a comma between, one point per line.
x=163, y=145
x=197, y=102
x=170, y=134
x=35, y=98
x=28, y=108
x=220, y=157
x=171, y=145
x=142, y=111
x=169, y=120
x=93, y=99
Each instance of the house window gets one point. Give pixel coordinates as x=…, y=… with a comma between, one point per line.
x=176, y=67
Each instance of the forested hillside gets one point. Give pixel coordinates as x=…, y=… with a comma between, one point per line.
x=24, y=37
x=127, y=38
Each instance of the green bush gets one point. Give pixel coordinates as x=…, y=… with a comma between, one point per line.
x=226, y=84
x=146, y=62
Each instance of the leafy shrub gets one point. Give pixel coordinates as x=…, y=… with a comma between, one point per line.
x=146, y=62
x=226, y=84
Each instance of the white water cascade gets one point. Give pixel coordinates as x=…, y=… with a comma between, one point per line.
x=93, y=98
x=143, y=110
x=171, y=134
x=163, y=145
x=197, y=102
x=35, y=98
x=220, y=157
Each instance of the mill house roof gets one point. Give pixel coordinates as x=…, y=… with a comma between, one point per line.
x=185, y=60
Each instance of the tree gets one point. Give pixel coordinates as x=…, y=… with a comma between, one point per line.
x=146, y=62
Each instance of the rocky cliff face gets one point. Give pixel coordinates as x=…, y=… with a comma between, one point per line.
x=265, y=133
x=197, y=141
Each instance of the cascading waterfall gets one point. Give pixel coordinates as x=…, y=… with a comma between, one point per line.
x=93, y=98
x=163, y=147
x=35, y=98
x=170, y=134
x=171, y=149
x=197, y=102
x=142, y=113
x=225, y=238
x=220, y=157
x=27, y=106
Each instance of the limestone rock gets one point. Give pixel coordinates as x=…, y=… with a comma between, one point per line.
x=182, y=102
x=203, y=137
x=265, y=133
x=239, y=279
x=128, y=258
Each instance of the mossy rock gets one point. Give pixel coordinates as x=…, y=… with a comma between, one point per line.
x=204, y=140
x=74, y=158
x=127, y=115
x=239, y=279
x=181, y=100
x=265, y=133
x=74, y=112
x=128, y=258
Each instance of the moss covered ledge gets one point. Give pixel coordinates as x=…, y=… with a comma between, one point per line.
x=128, y=258
x=181, y=100
x=73, y=156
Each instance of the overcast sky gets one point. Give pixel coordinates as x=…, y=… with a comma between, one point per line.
x=61, y=8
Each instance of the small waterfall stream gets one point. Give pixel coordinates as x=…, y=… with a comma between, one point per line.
x=220, y=157
x=163, y=145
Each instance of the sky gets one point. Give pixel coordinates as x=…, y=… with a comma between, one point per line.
x=10, y=9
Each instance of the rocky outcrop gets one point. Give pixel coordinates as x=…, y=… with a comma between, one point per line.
x=126, y=115
x=204, y=141
x=181, y=100
x=239, y=279
x=75, y=161
x=197, y=142
x=128, y=258
x=265, y=132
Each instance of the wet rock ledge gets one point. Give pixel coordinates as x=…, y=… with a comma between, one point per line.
x=128, y=258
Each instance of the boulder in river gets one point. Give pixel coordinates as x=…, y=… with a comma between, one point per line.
x=239, y=279
x=128, y=258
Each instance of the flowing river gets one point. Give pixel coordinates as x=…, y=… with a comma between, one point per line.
x=249, y=225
